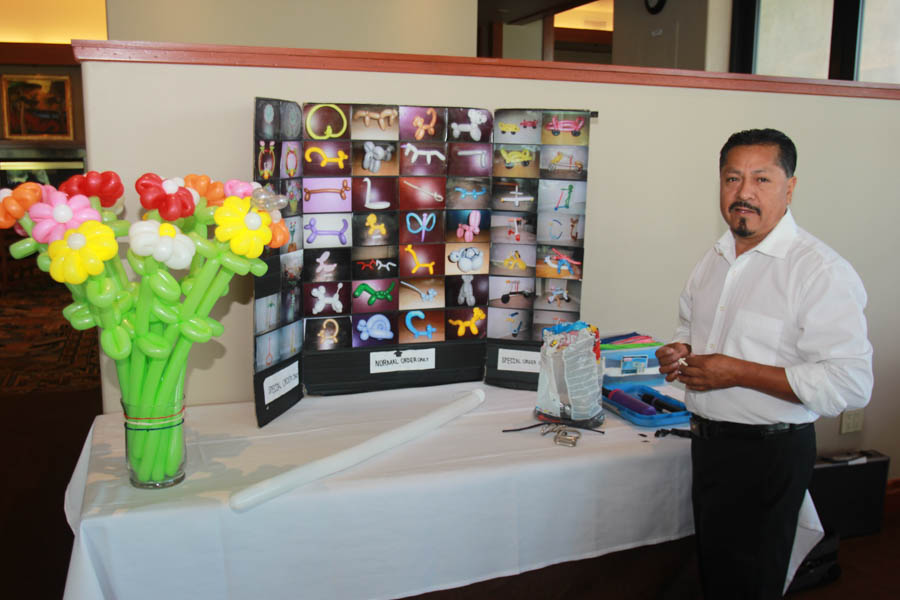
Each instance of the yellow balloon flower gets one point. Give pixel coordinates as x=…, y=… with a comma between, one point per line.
x=82, y=252
x=245, y=227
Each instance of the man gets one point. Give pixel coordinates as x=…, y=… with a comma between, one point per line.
x=772, y=335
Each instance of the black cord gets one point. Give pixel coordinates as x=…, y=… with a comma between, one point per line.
x=548, y=423
x=522, y=428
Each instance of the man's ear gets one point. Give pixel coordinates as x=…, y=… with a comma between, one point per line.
x=790, y=188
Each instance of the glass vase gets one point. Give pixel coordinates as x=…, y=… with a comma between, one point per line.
x=154, y=443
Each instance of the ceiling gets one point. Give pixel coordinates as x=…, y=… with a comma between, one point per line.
x=519, y=12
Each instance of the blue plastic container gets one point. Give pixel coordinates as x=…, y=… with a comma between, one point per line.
x=657, y=420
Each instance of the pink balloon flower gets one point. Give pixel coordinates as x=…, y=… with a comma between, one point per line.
x=57, y=214
x=236, y=187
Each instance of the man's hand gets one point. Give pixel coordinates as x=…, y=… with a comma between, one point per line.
x=704, y=372
x=710, y=372
x=669, y=357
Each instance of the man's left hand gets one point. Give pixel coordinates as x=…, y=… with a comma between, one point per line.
x=710, y=372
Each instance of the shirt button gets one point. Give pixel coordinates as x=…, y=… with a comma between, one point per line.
x=712, y=346
x=721, y=308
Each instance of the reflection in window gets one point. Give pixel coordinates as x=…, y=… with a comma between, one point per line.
x=794, y=38
x=879, y=51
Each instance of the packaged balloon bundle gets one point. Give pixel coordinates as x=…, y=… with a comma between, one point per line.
x=148, y=322
x=569, y=388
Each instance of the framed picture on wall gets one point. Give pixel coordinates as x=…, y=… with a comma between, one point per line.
x=37, y=107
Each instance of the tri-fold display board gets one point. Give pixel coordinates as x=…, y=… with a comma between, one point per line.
x=427, y=244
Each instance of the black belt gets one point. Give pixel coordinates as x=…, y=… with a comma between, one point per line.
x=709, y=430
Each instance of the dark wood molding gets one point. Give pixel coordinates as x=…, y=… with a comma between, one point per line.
x=57, y=55
x=496, y=43
x=743, y=35
x=892, y=497
x=295, y=58
x=844, y=39
x=583, y=36
x=893, y=486
x=548, y=39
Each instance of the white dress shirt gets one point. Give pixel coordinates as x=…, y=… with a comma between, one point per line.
x=792, y=302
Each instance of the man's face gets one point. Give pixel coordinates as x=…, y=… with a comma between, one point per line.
x=754, y=193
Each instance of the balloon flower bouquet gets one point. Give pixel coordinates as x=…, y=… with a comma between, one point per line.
x=147, y=322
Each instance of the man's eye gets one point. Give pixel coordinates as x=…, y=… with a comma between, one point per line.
x=730, y=179
x=763, y=179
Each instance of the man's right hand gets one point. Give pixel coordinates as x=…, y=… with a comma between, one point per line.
x=668, y=357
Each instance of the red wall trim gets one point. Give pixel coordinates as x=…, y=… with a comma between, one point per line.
x=18, y=53
x=294, y=58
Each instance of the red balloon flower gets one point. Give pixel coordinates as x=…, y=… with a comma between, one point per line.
x=107, y=186
x=171, y=200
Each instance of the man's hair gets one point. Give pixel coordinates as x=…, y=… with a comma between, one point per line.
x=787, y=152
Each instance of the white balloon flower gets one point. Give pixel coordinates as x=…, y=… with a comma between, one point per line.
x=163, y=241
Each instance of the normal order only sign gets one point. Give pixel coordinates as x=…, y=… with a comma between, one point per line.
x=402, y=360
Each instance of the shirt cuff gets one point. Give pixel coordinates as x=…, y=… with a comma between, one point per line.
x=811, y=385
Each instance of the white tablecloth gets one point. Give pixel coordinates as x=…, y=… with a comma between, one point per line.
x=462, y=504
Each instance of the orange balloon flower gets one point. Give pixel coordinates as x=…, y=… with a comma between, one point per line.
x=14, y=206
x=280, y=234
x=213, y=191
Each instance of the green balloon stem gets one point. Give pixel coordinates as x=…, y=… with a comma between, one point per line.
x=122, y=371
x=136, y=383
x=198, y=260
x=156, y=439
x=215, y=291
x=145, y=300
x=138, y=372
x=77, y=291
x=118, y=272
x=178, y=358
x=27, y=224
x=108, y=321
x=201, y=285
x=153, y=379
x=175, y=449
x=158, y=465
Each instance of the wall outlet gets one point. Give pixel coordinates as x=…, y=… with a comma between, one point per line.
x=852, y=420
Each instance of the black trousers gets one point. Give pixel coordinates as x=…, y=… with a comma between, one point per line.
x=747, y=495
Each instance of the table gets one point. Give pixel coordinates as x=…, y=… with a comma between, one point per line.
x=462, y=504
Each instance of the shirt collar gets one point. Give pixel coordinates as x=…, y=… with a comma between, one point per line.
x=776, y=244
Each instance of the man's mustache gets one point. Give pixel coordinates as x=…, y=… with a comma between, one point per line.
x=742, y=204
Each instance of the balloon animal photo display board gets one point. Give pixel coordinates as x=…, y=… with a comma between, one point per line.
x=537, y=206
x=391, y=275
x=417, y=233
x=277, y=308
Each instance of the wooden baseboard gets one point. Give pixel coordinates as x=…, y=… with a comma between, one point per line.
x=892, y=496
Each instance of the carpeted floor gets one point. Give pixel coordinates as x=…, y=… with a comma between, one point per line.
x=39, y=350
x=49, y=396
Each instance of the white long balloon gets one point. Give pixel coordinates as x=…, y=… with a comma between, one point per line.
x=275, y=486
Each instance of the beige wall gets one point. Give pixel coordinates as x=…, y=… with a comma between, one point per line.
x=653, y=205
x=447, y=27
x=674, y=38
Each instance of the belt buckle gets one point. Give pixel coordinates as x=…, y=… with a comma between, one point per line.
x=696, y=428
x=566, y=437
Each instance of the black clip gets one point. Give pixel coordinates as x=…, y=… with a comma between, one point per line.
x=660, y=433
